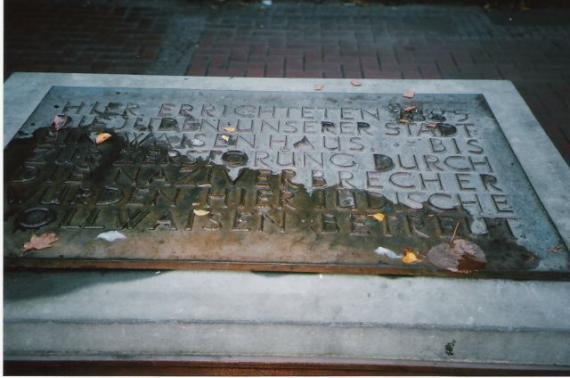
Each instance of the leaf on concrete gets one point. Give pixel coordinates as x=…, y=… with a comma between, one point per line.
x=355, y=83
x=102, y=138
x=40, y=242
x=319, y=87
x=409, y=94
x=458, y=256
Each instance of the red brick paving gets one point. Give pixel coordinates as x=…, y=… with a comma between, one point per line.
x=328, y=40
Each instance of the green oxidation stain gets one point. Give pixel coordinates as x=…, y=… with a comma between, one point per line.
x=338, y=216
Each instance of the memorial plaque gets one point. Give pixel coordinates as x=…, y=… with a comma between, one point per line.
x=274, y=181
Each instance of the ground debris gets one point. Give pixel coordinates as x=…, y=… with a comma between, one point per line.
x=355, y=83
x=40, y=242
x=378, y=216
x=102, y=138
x=458, y=255
x=319, y=87
x=111, y=236
x=409, y=94
x=410, y=256
x=201, y=213
x=60, y=121
x=385, y=252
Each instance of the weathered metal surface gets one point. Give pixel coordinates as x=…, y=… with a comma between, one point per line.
x=290, y=182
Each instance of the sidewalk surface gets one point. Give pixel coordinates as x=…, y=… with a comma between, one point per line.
x=302, y=39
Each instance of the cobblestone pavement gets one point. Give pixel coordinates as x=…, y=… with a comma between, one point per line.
x=292, y=39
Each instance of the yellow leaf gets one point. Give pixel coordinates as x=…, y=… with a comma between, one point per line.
x=201, y=213
x=226, y=138
x=410, y=256
x=102, y=137
x=230, y=129
x=378, y=216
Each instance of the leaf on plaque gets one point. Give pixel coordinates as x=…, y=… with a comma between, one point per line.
x=40, y=242
x=102, y=137
x=201, y=213
x=458, y=256
x=378, y=216
x=409, y=109
x=230, y=129
x=60, y=121
x=410, y=256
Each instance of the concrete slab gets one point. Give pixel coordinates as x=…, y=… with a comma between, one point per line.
x=245, y=316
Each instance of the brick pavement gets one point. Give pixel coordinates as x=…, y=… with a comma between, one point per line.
x=290, y=39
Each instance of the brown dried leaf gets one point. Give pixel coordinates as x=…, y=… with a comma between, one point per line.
x=410, y=256
x=409, y=94
x=355, y=83
x=40, y=242
x=102, y=138
x=458, y=256
x=409, y=109
x=59, y=121
x=319, y=87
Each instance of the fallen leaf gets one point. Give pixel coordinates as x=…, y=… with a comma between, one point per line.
x=378, y=216
x=197, y=142
x=403, y=120
x=409, y=109
x=102, y=138
x=319, y=87
x=111, y=236
x=385, y=252
x=59, y=121
x=410, y=256
x=432, y=125
x=230, y=129
x=409, y=94
x=458, y=256
x=556, y=248
x=355, y=83
x=40, y=242
x=201, y=213
x=226, y=138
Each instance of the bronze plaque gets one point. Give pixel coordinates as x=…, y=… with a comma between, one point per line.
x=273, y=181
